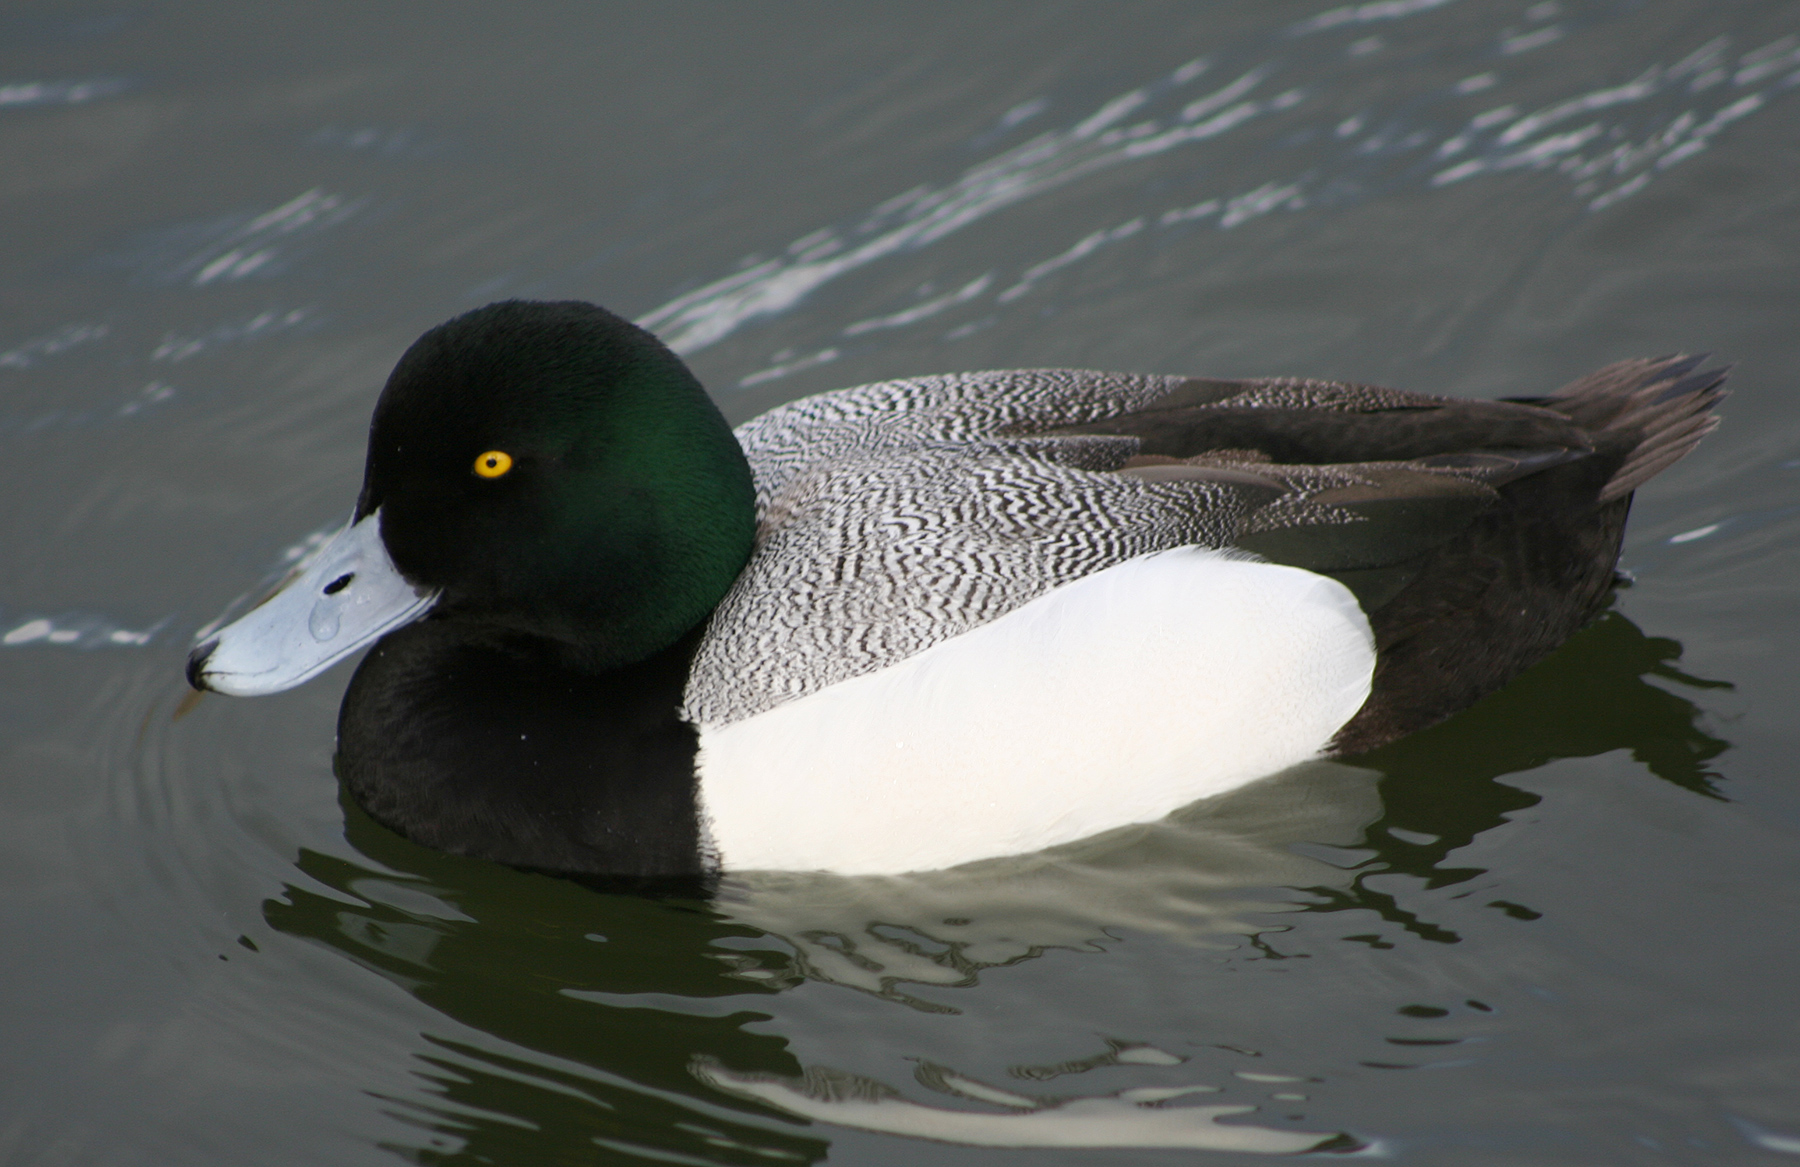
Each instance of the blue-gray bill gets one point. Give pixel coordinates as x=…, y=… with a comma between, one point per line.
x=349, y=596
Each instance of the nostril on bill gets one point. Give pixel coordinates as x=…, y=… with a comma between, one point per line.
x=340, y=583
x=197, y=663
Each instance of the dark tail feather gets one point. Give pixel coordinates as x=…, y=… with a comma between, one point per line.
x=1663, y=403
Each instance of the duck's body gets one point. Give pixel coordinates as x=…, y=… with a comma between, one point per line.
x=923, y=622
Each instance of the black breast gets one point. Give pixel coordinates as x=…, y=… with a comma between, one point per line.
x=480, y=743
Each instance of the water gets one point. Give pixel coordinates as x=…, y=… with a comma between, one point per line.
x=1558, y=929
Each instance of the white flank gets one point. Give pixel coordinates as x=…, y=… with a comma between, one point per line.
x=1115, y=699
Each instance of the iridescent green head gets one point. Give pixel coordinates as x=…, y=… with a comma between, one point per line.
x=553, y=469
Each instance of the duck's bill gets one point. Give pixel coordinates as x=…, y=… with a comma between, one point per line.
x=350, y=595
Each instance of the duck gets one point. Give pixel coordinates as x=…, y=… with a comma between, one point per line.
x=925, y=622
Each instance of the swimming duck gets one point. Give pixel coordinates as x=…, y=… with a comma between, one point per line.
x=913, y=624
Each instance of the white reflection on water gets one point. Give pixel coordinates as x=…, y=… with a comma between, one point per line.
x=923, y=311
x=922, y=215
x=1609, y=143
x=1365, y=13
x=20, y=418
x=77, y=630
x=1195, y=878
x=29, y=93
x=1189, y=878
x=1524, y=142
x=31, y=352
x=1127, y=1119
x=175, y=348
x=788, y=365
x=1080, y=251
x=238, y=247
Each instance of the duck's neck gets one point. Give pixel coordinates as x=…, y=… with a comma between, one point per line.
x=480, y=742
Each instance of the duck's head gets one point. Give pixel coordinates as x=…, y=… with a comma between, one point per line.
x=547, y=469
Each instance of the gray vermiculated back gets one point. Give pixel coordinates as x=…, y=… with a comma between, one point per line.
x=896, y=515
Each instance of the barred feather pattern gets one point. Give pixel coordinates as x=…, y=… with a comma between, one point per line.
x=896, y=515
x=1305, y=393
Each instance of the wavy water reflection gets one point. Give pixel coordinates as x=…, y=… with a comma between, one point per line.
x=1193, y=877
x=657, y=1026
x=650, y=1011
x=1610, y=688
x=520, y=957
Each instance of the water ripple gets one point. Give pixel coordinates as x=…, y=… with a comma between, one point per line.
x=36, y=350
x=79, y=630
x=1608, y=142
x=226, y=250
x=175, y=348
x=20, y=94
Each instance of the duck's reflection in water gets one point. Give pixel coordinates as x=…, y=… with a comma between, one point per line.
x=1191, y=877
x=670, y=1026
x=1609, y=688
x=1187, y=876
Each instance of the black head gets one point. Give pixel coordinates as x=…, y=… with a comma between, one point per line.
x=554, y=469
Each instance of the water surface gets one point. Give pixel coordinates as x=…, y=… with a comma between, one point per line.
x=1559, y=928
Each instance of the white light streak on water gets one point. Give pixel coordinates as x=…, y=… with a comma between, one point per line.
x=788, y=368
x=923, y=311
x=256, y=245
x=1109, y=1121
x=1525, y=42
x=1608, y=156
x=31, y=352
x=1080, y=251
x=78, y=630
x=1366, y=13
x=1696, y=533
x=27, y=93
x=175, y=348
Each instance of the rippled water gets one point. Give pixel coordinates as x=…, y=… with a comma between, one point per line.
x=1560, y=928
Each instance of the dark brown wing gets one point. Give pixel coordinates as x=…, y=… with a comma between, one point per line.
x=1478, y=535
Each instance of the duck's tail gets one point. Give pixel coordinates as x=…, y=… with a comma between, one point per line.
x=1656, y=409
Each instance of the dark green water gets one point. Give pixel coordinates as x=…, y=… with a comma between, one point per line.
x=1562, y=928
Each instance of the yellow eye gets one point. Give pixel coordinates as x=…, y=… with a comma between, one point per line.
x=493, y=464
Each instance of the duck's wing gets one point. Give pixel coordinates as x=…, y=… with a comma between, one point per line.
x=1386, y=475
x=1484, y=535
x=1371, y=479
x=950, y=409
